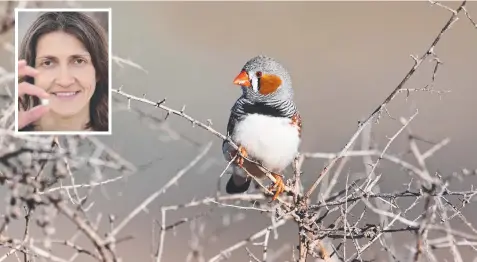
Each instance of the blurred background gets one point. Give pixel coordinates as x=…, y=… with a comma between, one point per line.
x=344, y=58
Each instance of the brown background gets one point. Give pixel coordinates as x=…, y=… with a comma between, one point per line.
x=344, y=57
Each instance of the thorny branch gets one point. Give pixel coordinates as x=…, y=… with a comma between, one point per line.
x=337, y=227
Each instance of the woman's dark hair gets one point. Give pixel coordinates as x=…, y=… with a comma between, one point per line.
x=93, y=37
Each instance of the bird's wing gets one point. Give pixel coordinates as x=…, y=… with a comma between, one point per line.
x=226, y=147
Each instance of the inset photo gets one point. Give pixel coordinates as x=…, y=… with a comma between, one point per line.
x=63, y=71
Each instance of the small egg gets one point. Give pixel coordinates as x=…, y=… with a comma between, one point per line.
x=45, y=102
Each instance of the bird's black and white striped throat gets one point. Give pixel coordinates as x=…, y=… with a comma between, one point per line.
x=275, y=108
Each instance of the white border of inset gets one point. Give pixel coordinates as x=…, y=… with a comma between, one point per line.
x=110, y=56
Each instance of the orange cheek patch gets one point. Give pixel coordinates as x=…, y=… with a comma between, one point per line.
x=269, y=84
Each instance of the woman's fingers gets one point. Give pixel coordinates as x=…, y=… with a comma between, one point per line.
x=24, y=69
x=27, y=88
x=26, y=117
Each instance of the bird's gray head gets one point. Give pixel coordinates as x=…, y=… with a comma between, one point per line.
x=263, y=78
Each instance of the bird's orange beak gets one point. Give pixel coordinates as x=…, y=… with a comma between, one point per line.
x=242, y=79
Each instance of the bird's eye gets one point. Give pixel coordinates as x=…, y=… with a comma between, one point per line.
x=258, y=74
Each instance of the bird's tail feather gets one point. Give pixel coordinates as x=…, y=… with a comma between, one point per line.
x=238, y=182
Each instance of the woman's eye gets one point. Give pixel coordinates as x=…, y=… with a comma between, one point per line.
x=79, y=61
x=46, y=63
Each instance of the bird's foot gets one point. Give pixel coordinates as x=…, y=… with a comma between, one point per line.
x=279, y=186
x=239, y=159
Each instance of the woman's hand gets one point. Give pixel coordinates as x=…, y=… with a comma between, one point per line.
x=26, y=117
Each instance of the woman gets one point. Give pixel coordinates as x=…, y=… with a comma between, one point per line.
x=66, y=55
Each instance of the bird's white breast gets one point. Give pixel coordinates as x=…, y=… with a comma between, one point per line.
x=271, y=140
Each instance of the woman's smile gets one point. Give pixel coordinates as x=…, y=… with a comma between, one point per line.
x=65, y=95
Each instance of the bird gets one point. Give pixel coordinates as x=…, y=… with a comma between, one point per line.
x=264, y=124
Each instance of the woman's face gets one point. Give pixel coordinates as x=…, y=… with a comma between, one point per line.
x=66, y=72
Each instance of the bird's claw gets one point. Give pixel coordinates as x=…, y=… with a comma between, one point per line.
x=239, y=159
x=279, y=186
